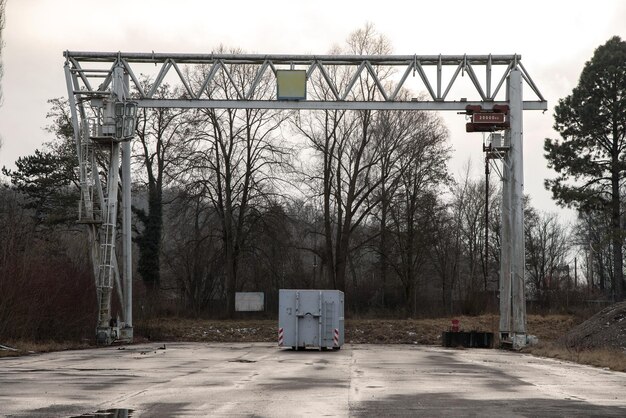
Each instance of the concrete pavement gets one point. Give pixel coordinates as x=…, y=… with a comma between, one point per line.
x=194, y=379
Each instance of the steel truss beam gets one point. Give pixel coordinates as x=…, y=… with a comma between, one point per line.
x=93, y=72
x=326, y=105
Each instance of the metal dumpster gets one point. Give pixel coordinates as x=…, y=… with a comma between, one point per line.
x=473, y=339
x=310, y=318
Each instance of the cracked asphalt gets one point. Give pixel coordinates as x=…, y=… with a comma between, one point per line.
x=258, y=379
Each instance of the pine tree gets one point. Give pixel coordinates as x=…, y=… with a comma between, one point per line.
x=590, y=157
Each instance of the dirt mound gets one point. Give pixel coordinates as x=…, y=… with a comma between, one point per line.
x=606, y=329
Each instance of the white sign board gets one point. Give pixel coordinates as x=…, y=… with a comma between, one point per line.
x=249, y=301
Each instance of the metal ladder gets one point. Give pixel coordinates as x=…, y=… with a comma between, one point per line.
x=106, y=272
x=108, y=262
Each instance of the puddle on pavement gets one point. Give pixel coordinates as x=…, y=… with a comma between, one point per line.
x=108, y=413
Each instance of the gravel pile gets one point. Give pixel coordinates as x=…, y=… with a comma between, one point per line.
x=606, y=329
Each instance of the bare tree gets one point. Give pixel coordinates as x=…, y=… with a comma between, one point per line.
x=547, y=245
x=234, y=158
x=423, y=160
x=479, y=260
x=394, y=133
x=592, y=235
x=193, y=255
x=348, y=158
x=469, y=201
x=446, y=251
x=160, y=132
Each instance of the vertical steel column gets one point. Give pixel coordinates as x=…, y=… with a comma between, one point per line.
x=518, y=297
x=126, y=234
x=505, y=250
x=127, y=261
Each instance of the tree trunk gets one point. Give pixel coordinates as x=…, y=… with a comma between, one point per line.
x=341, y=262
x=601, y=276
x=618, y=273
x=383, y=245
x=149, y=241
x=444, y=289
x=383, y=259
x=328, y=249
x=409, y=293
x=231, y=282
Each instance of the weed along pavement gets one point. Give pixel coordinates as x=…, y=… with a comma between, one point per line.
x=258, y=379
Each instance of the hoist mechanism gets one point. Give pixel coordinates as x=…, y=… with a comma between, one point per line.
x=495, y=119
x=114, y=120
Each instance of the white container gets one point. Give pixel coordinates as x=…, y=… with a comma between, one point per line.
x=310, y=318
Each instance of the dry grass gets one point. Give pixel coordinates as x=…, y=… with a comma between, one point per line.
x=550, y=327
x=373, y=331
x=599, y=357
x=412, y=331
x=184, y=329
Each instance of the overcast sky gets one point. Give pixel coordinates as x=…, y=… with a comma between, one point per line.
x=555, y=39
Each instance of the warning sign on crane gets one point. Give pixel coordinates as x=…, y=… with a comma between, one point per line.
x=489, y=118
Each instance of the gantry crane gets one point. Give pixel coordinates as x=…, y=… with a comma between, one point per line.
x=103, y=114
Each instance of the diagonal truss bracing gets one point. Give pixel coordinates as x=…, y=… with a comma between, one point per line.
x=487, y=75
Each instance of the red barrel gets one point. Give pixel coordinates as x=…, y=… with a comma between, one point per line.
x=455, y=325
